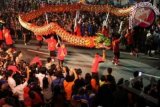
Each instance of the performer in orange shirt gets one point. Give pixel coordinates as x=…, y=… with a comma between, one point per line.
x=61, y=53
x=36, y=60
x=52, y=46
x=95, y=65
x=1, y=33
x=1, y=37
x=7, y=37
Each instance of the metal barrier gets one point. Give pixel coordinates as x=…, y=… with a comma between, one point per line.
x=145, y=100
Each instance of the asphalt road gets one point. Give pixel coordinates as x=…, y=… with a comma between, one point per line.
x=82, y=58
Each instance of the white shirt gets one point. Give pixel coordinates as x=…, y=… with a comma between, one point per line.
x=19, y=89
x=40, y=77
x=11, y=82
x=1, y=76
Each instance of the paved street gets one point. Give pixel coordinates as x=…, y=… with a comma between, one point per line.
x=82, y=58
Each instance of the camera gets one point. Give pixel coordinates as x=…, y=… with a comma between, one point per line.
x=140, y=74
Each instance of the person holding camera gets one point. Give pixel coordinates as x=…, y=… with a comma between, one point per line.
x=18, y=90
x=52, y=46
x=137, y=81
x=68, y=83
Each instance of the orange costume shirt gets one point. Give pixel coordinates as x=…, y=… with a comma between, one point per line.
x=94, y=85
x=36, y=60
x=62, y=52
x=1, y=35
x=7, y=36
x=68, y=89
x=51, y=44
x=95, y=64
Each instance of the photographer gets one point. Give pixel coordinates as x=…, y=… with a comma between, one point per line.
x=137, y=82
x=79, y=82
x=69, y=82
x=18, y=89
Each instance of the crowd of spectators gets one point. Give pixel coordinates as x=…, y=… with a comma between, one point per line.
x=35, y=84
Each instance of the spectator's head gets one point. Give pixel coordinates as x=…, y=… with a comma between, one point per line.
x=120, y=81
x=58, y=68
x=135, y=74
x=66, y=69
x=69, y=78
x=53, y=67
x=49, y=59
x=51, y=72
x=18, y=78
x=9, y=73
x=33, y=68
x=103, y=78
x=109, y=70
x=78, y=71
x=88, y=78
